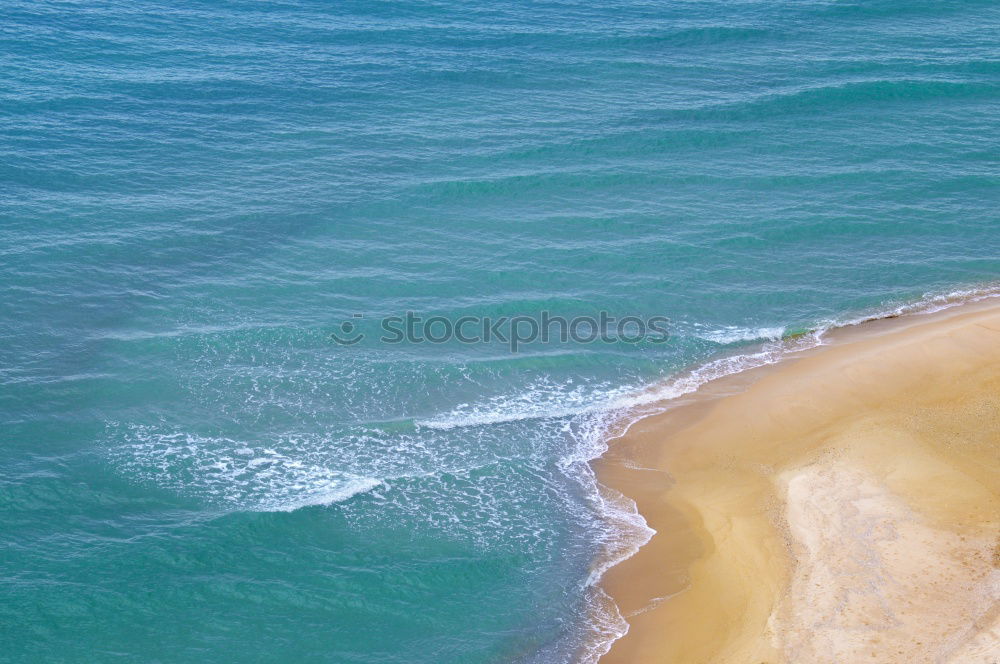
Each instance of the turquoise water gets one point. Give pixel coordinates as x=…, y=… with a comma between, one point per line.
x=194, y=197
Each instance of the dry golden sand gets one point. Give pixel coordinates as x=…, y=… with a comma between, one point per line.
x=841, y=506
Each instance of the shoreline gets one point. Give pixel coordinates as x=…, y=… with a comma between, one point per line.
x=837, y=505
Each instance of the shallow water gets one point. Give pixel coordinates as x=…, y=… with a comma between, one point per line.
x=195, y=198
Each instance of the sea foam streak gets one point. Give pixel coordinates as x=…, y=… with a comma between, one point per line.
x=231, y=472
x=733, y=334
x=334, y=493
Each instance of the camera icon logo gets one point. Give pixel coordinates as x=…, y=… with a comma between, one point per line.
x=347, y=335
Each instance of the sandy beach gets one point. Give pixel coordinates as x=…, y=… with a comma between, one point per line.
x=840, y=506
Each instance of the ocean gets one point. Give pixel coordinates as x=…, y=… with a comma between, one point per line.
x=198, y=200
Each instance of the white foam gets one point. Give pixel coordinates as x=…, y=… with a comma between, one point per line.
x=549, y=401
x=334, y=493
x=929, y=303
x=732, y=334
x=607, y=626
x=231, y=472
x=622, y=511
x=541, y=400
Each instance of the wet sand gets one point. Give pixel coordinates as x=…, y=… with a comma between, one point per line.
x=840, y=506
